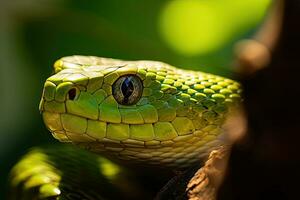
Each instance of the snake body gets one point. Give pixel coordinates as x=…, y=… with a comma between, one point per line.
x=144, y=112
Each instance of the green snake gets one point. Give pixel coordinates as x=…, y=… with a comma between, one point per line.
x=135, y=113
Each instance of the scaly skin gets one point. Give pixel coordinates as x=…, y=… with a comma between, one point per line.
x=65, y=172
x=177, y=121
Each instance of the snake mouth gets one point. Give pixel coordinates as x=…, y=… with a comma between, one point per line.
x=98, y=134
x=72, y=128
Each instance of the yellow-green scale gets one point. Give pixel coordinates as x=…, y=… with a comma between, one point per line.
x=178, y=118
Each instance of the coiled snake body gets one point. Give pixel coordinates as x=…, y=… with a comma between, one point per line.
x=138, y=112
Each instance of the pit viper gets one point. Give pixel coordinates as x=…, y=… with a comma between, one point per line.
x=128, y=113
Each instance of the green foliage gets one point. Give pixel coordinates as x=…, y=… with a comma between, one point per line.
x=197, y=27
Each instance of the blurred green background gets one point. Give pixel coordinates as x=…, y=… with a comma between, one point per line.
x=195, y=34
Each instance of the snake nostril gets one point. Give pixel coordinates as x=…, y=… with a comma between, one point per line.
x=72, y=94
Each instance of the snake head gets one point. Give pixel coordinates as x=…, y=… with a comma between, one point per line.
x=143, y=111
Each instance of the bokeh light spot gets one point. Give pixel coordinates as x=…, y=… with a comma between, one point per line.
x=195, y=27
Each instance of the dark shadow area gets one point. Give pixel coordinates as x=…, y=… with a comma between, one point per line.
x=265, y=164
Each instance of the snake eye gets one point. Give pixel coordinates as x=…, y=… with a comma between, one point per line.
x=127, y=90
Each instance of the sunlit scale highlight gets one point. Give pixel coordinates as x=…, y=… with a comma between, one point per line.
x=178, y=119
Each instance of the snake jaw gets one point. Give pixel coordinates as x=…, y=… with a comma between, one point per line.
x=178, y=117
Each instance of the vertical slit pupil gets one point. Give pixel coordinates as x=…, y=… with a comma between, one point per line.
x=127, y=88
x=72, y=94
